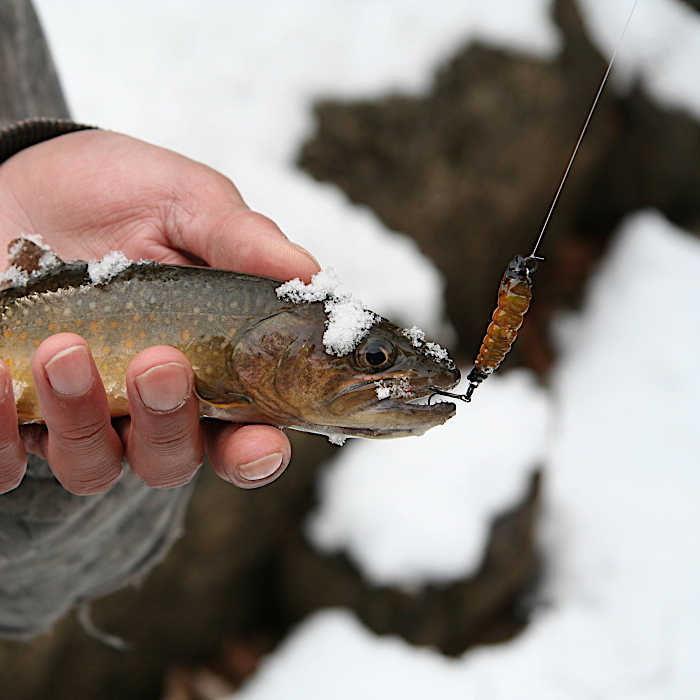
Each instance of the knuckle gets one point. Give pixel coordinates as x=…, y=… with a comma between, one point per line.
x=85, y=435
x=176, y=475
x=98, y=479
x=12, y=466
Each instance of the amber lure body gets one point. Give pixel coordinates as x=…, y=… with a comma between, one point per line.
x=256, y=358
x=514, y=297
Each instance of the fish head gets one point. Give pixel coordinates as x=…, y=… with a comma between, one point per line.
x=283, y=365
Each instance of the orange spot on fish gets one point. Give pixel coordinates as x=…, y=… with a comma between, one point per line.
x=79, y=322
x=8, y=334
x=185, y=335
x=23, y=335
x=113, y=324
x=106, y=350
x=136, y=317
x=39, y=321
x=9, y=362
x=36, y=342
x=129, y=343
x=52, y=326
x=93, y=325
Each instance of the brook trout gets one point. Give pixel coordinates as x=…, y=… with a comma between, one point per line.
x=257, y=358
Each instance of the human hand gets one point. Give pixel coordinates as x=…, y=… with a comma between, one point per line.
x=91, y=192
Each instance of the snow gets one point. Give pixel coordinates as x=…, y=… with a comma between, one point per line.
x=35, y=238
x=348, y=323
x=430, y=348
x=15, y=276
x=396, y=389
x=661, y=46
x=415, y=335
x=348, y=320
x=111, y=265
x=337, y=439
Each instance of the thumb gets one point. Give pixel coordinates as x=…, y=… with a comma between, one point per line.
x=213, y=223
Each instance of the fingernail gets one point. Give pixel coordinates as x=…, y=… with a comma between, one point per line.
x=303, y=250
x=70, y=371
x=164, y=387
x=261, y=468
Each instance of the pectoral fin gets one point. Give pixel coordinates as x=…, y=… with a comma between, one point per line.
x=219, y=398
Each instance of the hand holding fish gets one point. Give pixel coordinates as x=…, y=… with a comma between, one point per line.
x=92, y=192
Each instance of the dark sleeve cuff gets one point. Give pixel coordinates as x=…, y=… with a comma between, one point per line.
x=29, y=132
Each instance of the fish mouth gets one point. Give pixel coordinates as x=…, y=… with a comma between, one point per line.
x=405, y=410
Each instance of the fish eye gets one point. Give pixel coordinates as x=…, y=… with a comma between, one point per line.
x=374, y=354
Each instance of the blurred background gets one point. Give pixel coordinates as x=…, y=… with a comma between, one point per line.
x=544, y=542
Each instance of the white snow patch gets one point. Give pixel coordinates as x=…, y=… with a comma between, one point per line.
x=13, y=276
x=111, y=265
x=661, y=47
x=348, y=320
x=337, y=439
x=324, y=285
x=417, y=338
x=37, y=239
x=331, y=655
x=415, y=335
x=412, y=509
x=348, y=323
x=437, y=352
x=393, y=388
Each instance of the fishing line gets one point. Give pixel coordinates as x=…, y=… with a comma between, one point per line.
x=515, y=290
x=583, y=132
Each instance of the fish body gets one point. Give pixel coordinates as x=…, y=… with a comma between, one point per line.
x=256, y=357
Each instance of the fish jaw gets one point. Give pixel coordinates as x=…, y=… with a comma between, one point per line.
x=401, y=420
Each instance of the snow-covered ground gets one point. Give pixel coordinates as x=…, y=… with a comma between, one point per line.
x=230, y=84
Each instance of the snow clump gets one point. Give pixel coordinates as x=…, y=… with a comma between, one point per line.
x=111, y=265
x=348, y=320
x=14, y=275
x=337, y=439
x=400, y=389
x=417, y=338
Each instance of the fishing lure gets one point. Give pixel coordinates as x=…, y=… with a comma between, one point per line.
x=515, y=290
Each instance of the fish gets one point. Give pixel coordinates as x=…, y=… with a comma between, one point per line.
x=257, y=357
